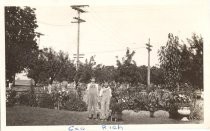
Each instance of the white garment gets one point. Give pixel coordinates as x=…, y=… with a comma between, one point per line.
x=108, y=89
x=90, y=84
x=106, y=95
x=92, y=99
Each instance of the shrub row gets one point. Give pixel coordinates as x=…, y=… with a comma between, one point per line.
x=152, y=101
x=69, y=101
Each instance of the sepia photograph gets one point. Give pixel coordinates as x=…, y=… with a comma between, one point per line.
x=89, y=64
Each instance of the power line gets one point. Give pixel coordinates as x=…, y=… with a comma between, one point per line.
x=110, y=51
x=50, y=24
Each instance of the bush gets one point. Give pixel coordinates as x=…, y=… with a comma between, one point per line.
x=173, y=110
x=164, y=100
x=197, y=112
x=139, y=102
x=176, y=101
x=161, y=114
x=27, y=99
x=74, y=103
x=46, y=101
x=24, y=99
x=119, y=102
x=155, y=100
x=10, y=98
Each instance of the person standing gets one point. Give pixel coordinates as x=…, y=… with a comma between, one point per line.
x=105, y=96
x=92, y=98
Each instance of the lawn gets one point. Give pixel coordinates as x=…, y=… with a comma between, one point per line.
x=23, y=115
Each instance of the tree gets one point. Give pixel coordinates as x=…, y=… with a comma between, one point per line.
x=127, y=70
x=142, y=70
x=157, y=76
x=182, y=64
x=50, y=66
x=104, y=73
x=85, y=71
x=38, y=71
x=67, y=70
x=170, y=57
x=196, y=46
x=53, y=64
x=186, y=64
x=20, y=39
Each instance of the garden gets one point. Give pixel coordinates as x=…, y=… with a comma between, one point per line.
x=127, y=105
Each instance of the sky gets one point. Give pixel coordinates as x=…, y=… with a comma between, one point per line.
x=110, y=29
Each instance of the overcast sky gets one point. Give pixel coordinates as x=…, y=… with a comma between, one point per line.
x=108, y=30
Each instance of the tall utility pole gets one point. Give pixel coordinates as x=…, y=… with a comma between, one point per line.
x=148, y=68
x=78, y=21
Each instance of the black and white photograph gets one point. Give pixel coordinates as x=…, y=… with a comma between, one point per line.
x=104, y=64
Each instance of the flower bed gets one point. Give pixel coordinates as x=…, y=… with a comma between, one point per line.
x=160, y=103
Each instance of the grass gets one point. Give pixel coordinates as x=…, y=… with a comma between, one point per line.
x=23, y=115
x=28, y=116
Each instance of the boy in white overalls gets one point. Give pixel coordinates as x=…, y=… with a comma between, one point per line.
x=92, y=98
x=105, y=96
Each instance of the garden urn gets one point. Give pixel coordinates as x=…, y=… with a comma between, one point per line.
x=185, y=112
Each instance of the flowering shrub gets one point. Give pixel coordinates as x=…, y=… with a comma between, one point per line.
x=197, y=111
x=24, y=99
x=117, y=105
x=10, y=98
x=117, y=98
x=45, y=101
x=56, y=99
x=176, y=102
x=182, y=100
x=68, y=100
x=74, y=103
x=140, y=101
x=152, y=102
x=164, y=100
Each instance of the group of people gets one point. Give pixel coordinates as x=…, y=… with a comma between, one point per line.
x=103, y=97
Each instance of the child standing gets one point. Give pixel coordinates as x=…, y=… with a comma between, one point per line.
x=105, y=95
x=92, y=98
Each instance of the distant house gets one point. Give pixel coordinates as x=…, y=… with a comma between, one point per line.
x=23, y=82
x=23, y=85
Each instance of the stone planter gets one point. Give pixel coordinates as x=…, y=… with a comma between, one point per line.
x=184, y=112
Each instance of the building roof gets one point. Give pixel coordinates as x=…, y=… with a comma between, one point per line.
x=23, y=82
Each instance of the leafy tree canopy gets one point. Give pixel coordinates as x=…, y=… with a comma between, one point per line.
x=20, y=39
